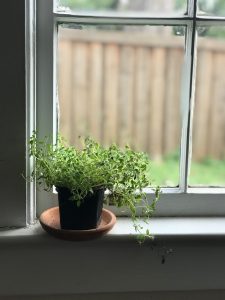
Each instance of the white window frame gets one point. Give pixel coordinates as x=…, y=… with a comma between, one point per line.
x=30, y=54
x=182, y=201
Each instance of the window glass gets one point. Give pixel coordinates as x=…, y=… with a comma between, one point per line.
x=208, y=166
x=211, y=7
x=148, y=7
x=122, y=84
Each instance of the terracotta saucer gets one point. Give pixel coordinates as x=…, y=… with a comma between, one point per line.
x=50, y=222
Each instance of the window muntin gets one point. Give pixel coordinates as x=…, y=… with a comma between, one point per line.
x=121, y=84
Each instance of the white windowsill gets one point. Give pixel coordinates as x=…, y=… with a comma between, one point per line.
x=159, y=227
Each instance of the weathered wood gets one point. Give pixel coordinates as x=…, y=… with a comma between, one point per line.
x=79, y=121
x=202, y=104
x=126, y=96
x=110, y=93
x=95, y=91
x=65, y=88
x=126, y=38
x=141, y=96
x=172, y=117
x=122, y=87
x=216, y=120
x=157, y=103
x=140, y=39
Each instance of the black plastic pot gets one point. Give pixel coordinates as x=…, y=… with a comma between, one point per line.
x=83, y=217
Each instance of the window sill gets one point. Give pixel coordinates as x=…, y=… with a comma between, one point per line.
x=164, y=227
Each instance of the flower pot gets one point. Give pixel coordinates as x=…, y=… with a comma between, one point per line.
x=85, y=216
x=50, y=222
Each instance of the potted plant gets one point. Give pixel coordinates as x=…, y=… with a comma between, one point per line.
x=81, y=177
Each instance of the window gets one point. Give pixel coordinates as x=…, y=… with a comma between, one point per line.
x=118, y=39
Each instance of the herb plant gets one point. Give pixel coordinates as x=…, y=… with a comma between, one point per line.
x=123, y=172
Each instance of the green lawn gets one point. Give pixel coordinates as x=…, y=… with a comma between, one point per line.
x=207, y=173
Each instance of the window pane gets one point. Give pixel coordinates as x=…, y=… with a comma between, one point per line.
x=208, y=166
x=134, y=7
x=212, y=7
x=122, y=84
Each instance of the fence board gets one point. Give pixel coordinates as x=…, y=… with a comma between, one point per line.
x=80, y=92
x=202, y=104
x=122, y=88
x=95, y=91
x=126, y=96
x=172, y=120
x=141, y=96
x=65, y=88
x=122, y=38
x=157, y=103
x=216, y=129
x=137, y=39
x=110, y=92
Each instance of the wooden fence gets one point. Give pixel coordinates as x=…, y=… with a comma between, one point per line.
x=125, y=87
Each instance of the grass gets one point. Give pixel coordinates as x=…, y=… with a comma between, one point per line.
x=208, y=172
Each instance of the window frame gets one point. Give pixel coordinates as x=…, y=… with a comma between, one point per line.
x=181, y=201
x=30, y=54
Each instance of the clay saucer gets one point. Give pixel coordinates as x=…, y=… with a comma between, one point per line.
x=50, y=222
